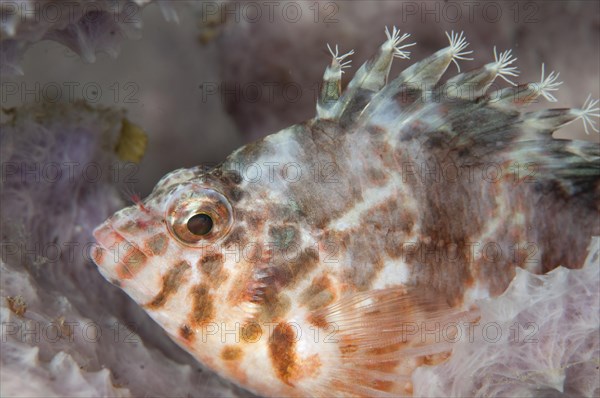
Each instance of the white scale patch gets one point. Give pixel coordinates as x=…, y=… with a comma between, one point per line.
x=394, y=273
x=371, y=198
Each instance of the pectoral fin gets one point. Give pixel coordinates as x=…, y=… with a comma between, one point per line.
x=383, y=335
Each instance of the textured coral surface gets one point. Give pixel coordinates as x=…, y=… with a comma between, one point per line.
x=540, y=338
x=65, y=331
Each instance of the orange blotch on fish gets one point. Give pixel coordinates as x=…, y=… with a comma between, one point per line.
x=232, y=356
x=186, y=333
x=435, y=359
x=231, y=353
x=348, y=348
x=97, y=254
x=318, y=320
x=382, y=385
x=319, y=294
x=251, y=332
x=282, y=349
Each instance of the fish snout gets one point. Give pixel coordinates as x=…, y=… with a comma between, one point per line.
x=115, y=256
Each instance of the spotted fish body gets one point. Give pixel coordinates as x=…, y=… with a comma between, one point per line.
x=307, y=262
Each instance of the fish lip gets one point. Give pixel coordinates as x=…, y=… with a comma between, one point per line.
x=106, y=225
x=102, y=235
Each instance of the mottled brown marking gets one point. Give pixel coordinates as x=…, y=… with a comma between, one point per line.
x=381, y=230
x=287, y=272
x=116, y=282
x=228, y=177
x=348, y=348
x=555, y=213
x=157, y=244
x=133, y=262
x=448, y=221
x=139, y=225
x=235, y=194
x=255, y=219
x=274, y=305
x=171, y=282
x=376, y=130
x=237, y=236
x=319, y=294
x=282, y=348
x=203, y=310
x=251, y=332
x=377, y=176
x=211, y=266
x=365, y=259
x=382, y=385
x=98, y=254
x=435, y=359
x=322, y=144
x=284, y=236
x=231, y=353
x=318, y=320
x=186, y=333
x=390, y=221
x=386, y=349
x=129, y=227
x=250, y=153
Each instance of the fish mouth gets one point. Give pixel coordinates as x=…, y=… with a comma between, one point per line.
x=100, y=251
x=116, y=257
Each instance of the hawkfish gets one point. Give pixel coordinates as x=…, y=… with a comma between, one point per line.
x=310, y=262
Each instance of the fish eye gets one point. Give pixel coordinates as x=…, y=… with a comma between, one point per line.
x=200, y=224
x=197, y=216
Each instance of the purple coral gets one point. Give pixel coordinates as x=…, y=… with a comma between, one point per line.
x=86, y=27
x=73, y=333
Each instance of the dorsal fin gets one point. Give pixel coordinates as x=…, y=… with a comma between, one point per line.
x=475, y=83
x=370, y=80
x=370, y=77
x=474, y=125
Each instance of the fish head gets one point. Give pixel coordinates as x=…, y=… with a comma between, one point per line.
x=211, y=255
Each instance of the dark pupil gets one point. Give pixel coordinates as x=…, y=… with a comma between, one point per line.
x=200, y=224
